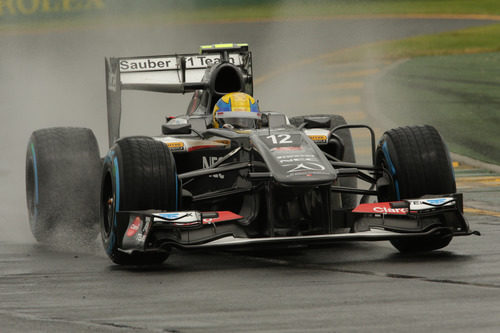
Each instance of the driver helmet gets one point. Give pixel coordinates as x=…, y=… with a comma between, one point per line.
x=236, y=110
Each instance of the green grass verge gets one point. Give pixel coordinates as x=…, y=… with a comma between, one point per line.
x=459, y=94
x=473, y=40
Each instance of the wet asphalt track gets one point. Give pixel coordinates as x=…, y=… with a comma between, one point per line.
x=57, y=78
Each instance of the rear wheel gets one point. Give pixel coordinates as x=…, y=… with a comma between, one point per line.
x=62, y=185
x=139, y=173
x=415, y=162
x=348, y=200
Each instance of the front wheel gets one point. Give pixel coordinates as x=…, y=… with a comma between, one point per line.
x=415, y=162
x=139, y=173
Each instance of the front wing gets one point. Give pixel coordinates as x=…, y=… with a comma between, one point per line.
x=156, y=230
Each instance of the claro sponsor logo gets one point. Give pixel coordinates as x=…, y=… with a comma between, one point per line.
x=380, y=208
x=134, y=227
x=385, y=210
x=31, y=7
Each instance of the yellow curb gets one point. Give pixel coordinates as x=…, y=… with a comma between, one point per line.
x=361, y=73
x=342, y=86
x=480, y=179
x=481, y=212
x=341, y=100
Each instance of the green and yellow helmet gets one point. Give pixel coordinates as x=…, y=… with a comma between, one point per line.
x=236, y=110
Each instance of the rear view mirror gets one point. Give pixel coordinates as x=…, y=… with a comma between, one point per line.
x=317, y=122
x=167, y=129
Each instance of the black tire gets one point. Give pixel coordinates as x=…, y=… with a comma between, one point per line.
x=62, y=185
x=348, y=200
x=416, y=162
x=139, y=173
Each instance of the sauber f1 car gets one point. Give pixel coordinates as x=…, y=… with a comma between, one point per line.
x=285, y=181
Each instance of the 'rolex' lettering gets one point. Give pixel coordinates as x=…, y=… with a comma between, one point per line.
x=33, y=7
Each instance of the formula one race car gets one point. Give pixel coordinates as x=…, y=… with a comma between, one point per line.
x=227, y=174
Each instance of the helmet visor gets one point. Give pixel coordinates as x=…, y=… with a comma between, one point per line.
x=239, y=122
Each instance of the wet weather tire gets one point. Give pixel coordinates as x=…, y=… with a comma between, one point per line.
x=139, y=173
x=62, y=185
x=416, y=162
x=348, y=200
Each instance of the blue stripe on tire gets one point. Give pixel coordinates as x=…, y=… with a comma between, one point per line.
x=112, y=236
x=117, y=185
x=35, y=171
x=392, y=169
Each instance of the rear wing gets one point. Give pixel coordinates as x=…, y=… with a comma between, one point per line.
x=177, y=73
